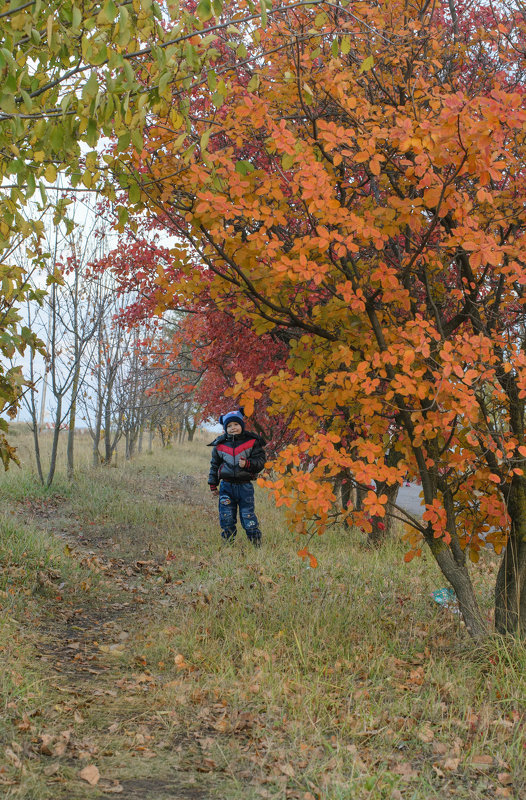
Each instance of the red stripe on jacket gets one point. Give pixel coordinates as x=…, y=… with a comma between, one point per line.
x=225, y=448
x=244, y=446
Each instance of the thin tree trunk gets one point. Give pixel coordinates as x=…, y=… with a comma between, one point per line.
x=510, y=586
x=36, y=442
x=96, y=459
x=190, y=429
x=452, y=562
x=360, y=494
x=383, y=526
x=108, y=450
x=33, y=412
x=72, y=422
x=54, y=446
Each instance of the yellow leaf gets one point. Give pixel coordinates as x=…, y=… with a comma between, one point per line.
x=51, y=173
x=367, y=64
x=49, y=29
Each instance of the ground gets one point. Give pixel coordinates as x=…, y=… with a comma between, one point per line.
x=143, y=657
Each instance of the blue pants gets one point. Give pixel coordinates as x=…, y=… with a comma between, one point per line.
x=234, y=496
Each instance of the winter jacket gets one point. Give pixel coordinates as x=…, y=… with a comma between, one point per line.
x=228, y=450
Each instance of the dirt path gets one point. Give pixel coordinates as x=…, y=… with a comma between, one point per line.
x=108, y=728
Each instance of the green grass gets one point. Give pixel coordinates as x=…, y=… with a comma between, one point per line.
x=241, y=673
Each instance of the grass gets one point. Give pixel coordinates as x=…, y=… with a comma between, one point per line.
x=224, y=672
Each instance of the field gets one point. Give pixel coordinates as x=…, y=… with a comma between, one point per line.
x=142, y=657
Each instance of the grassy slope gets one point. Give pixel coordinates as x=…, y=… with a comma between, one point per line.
x=135, y=642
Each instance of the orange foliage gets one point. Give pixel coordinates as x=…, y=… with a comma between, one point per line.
x=361, y=187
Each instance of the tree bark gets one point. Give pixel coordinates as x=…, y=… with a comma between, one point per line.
x=36, y=441
x=72, y=421
x=54, y=446
x=190, y=429
x=383, y=526
x=510, y=586
x=458, y=576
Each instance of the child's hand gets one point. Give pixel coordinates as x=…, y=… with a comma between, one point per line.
x=242, y=462
x=213, y=488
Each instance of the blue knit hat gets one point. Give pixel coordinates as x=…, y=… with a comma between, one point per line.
x=232, y=416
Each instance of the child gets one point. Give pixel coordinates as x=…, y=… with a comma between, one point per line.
x=237, y=458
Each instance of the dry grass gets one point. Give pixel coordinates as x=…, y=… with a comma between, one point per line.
x=136, y=642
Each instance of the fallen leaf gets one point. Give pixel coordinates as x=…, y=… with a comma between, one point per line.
x=115, y=788
x=46, y=741
x=416, y=676
x=222, y=725
x=482, y=762
x=451, y=764
x=90, y=774
x=287, y=769
x=207, y=765
x=426, y=734
x=60, y=748
x=144, y=677
x=506, y=778
x=112, y=649
x=13, y=758
x=405, y=770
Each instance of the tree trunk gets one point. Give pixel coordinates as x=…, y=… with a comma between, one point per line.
x=150, y=440
x=346, y=493
x=383, y=526
x=72, y=422
x=54, y=446
x=108, y=450
x=458, y=576
x=452, y=562
x=38, y=459
x=360, y=494
x=190, y=429
x=96, y=459
x=510, y=586
x=131, y=439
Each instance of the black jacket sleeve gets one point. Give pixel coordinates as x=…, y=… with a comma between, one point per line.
x=257, y=459
x=215, y=463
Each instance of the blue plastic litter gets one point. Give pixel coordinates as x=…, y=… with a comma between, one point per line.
x=447, y=599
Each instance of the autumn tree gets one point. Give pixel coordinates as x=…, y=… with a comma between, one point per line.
x=16, y=337
x=361, y=180
x=71, y=73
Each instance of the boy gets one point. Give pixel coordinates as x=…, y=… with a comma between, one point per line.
x=237, y=457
